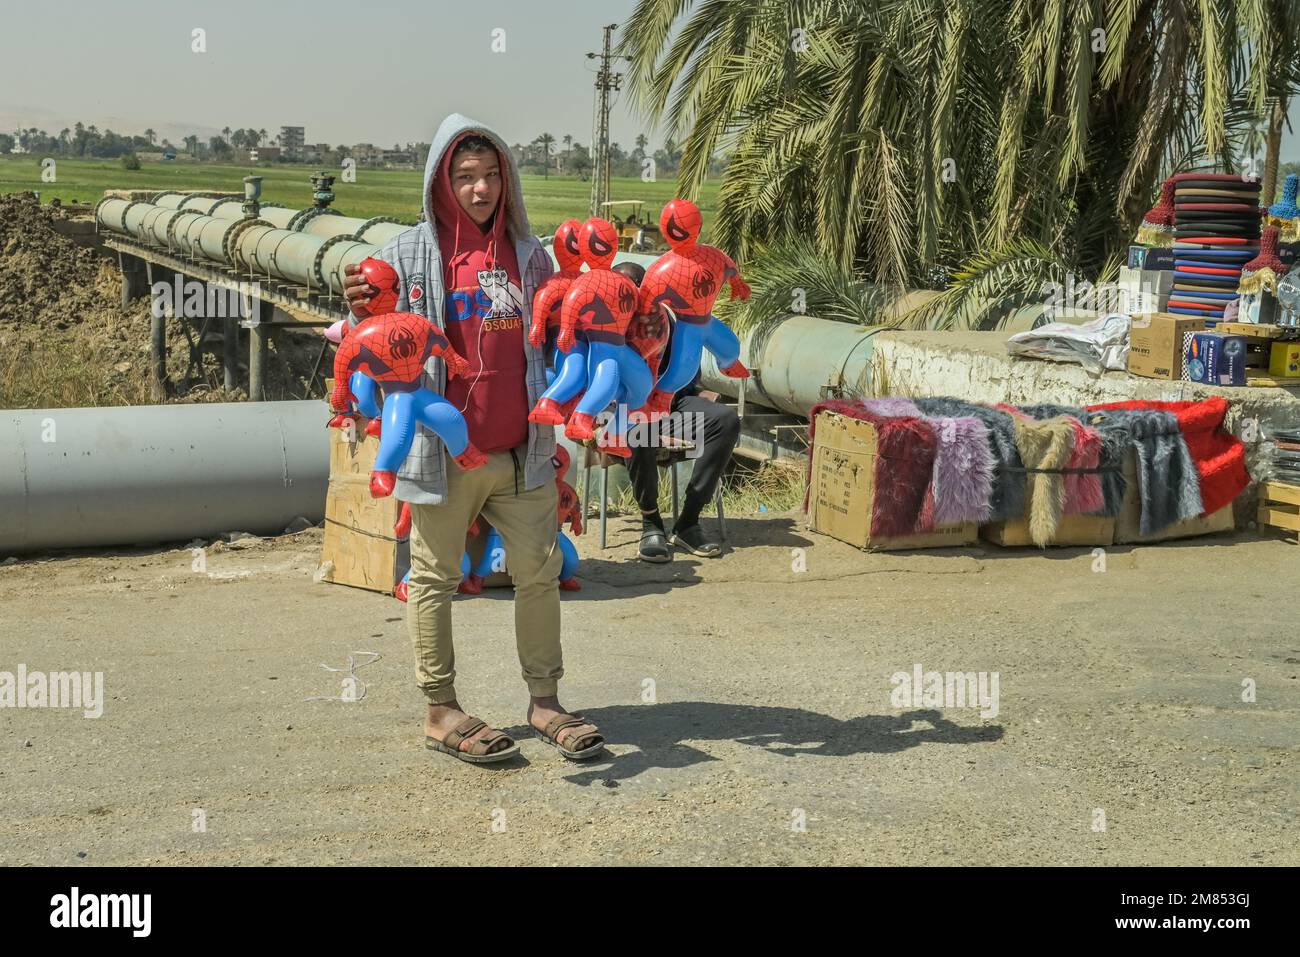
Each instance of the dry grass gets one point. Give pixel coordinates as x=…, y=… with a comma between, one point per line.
x=66, y=374
x=746, y=490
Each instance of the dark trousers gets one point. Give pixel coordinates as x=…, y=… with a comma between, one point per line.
x=716, y=431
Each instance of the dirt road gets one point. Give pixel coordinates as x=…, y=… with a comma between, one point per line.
x=748, y=706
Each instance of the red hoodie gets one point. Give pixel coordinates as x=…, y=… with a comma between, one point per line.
x=483, y=315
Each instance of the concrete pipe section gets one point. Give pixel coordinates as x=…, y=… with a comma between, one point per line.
x=159, y=473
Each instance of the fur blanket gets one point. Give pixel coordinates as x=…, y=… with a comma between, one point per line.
x=962, y=481
x=1046, y=447
x=905, y=450
x=1220, y=457
x=1167, y=477
x=1006, y=500
x=1083, y=495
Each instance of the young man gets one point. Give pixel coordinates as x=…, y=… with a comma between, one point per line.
x=472, y=267
x=716, y=429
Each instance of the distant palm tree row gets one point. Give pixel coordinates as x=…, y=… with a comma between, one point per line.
x=82, y=140
x=576, y=158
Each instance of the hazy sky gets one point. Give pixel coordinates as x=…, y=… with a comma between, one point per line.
x=382, y=71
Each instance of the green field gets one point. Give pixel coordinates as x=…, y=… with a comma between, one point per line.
x=375, y=193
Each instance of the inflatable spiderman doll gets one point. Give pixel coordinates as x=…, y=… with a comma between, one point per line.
x=687, y=280
x=598, y=307
x=391, y=350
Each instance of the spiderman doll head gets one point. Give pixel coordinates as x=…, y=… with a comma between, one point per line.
x=384, y=278
x=561, y=461
x=680, y=223
x=598, y=243
x=568, y=252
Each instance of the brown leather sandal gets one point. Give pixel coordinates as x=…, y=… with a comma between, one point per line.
x=478, y=752
x=558, y=724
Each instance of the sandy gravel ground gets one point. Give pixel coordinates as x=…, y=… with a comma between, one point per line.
x=747, y=707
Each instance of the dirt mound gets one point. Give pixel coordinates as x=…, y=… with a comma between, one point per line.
x=65, y=340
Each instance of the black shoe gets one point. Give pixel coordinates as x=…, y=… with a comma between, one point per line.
x=654, y=547
x=693, y=539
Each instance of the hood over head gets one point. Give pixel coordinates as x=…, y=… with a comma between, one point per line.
x=454, y=128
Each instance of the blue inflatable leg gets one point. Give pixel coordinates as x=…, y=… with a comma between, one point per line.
x=688, y=342
x=634, y=378
x=572, y=375
x=494, y=555
x=443, y=418
x=398, y=432
x=722, y=342
x=366, y=390
x=569, y=567
x=602, y=374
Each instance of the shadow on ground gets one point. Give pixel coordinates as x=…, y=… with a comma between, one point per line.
x=658, y=732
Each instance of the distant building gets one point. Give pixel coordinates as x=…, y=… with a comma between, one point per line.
x=366, y=154
x=316, y=152
x=263, y=154
x=292, y=139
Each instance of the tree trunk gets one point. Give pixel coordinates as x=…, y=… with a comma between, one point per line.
x=1267, y=194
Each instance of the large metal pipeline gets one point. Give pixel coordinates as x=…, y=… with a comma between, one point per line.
x=158, y=473
x=310, y=247
x=792, y=362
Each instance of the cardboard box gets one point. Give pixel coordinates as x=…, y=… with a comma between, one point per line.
x=359, y=538
x=1259, y=309
x=1076, y=530
x=1128, y=525
x=1150, y=257
x=1155, y=344
x=1284, y=360
x=1145, y=290
x=1214, y=358
x=843, y=490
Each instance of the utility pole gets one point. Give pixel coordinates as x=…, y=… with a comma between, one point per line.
x=606, y=80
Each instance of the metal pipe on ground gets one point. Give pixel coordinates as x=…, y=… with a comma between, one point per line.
x=73, y=478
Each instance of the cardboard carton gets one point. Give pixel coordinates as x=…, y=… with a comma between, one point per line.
x=1155, y=349
x=843, y=490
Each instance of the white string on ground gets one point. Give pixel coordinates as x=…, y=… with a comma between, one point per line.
x=351, y=670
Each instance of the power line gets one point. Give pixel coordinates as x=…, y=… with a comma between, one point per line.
x=606, y=81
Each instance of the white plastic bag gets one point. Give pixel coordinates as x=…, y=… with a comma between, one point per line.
x=1097, y=345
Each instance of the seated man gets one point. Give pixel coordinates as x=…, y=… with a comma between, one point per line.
x=716, y=431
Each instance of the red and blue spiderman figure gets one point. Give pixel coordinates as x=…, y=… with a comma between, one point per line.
x=391, y=350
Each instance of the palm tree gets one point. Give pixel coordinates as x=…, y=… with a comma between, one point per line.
x=149, y=135
x=545, y=141
x=979, y=145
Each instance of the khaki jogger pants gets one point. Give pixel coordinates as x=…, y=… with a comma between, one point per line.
x=527, y=523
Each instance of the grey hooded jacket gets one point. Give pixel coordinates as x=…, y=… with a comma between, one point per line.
x=422, y=479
